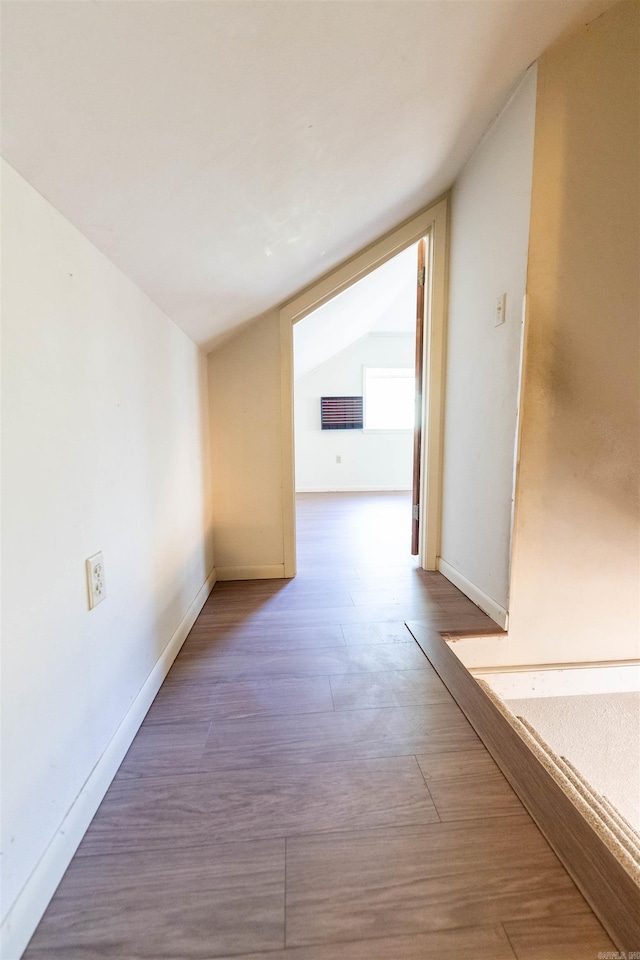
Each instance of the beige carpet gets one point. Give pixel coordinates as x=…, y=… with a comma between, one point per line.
x=599, y=734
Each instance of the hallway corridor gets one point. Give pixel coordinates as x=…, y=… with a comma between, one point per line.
x=305, y=788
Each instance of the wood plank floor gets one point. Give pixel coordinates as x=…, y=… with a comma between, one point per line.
x=305, y=788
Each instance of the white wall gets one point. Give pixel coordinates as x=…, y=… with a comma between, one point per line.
x=104, y=448
x=370, y=460
x=490, y=208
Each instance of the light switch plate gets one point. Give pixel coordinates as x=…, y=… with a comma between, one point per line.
x=501, y=309
x=95, y=580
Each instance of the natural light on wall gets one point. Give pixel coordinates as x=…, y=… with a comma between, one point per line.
x=389, y=396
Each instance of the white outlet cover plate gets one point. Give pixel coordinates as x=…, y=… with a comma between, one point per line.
x=95, y=580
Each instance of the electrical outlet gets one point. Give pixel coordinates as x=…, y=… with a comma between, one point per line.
x=501, y=309
x=338, y=458
x=95, y=580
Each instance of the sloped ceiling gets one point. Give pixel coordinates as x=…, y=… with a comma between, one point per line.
x=225, y=154
x=382, y=302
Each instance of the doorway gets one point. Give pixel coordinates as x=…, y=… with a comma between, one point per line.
x=431, y=224
x=354, y=375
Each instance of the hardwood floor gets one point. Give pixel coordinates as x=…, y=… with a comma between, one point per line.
x=305, y=788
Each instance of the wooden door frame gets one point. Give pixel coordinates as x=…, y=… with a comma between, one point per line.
x=432, y=222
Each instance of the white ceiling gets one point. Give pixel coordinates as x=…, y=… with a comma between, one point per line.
x=382, y=302
x=225, y=154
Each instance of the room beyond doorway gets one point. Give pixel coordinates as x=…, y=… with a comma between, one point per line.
x=357, y=397
x=354, y=384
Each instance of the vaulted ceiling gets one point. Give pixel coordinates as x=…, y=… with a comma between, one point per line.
x=382, y=302
x=225, y=154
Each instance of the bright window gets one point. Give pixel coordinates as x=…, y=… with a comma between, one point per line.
x=389, y=398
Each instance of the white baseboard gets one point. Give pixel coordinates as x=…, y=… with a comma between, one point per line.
x=359, y=489
x=471, y=590
x=272, y=571
x=559, y=682
x=26, y=912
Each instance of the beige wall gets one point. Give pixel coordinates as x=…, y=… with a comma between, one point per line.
x=104, y=447
x=576, y=573
x=244, y=397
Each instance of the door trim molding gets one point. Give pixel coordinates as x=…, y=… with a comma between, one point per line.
x=431, y=222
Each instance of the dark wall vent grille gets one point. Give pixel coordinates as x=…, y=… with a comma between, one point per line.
x=341, y=413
